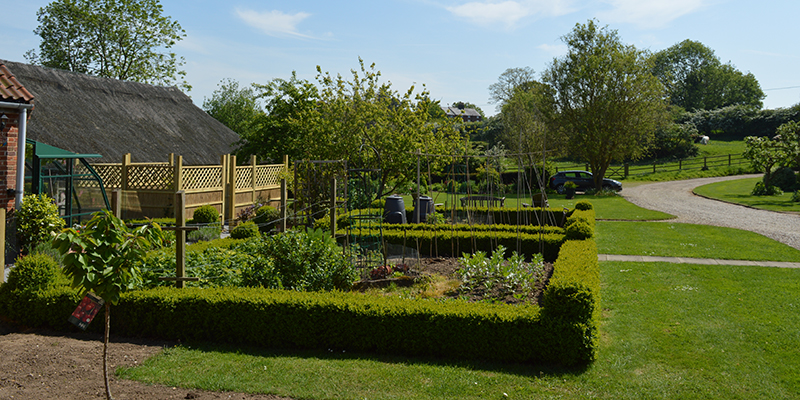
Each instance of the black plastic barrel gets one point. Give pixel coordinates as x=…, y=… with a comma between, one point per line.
x=422, y=207
x=394, y=212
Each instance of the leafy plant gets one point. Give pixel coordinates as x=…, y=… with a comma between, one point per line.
x=205, y=233
x=37, y=220
x=304, y=260
x=103, y=257
x=495, y=277
x=763, y=190
x=265, y=218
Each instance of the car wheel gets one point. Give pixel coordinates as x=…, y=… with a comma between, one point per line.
x=560, y=189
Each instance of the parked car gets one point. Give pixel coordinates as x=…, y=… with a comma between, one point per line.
x=583, y=179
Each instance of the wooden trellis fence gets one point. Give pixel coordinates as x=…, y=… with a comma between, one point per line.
x=148, y=189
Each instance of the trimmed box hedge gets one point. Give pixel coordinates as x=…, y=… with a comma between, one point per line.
x=561, y=330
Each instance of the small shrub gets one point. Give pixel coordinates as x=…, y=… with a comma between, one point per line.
x=579, y=230
x=35, y=272
x=246, y=230
x=761, y=190
x=796, y=196
x=38, y=221
x=583, y=205
x=378, y=203
x=206, y=214
x=205, y=233
x=265, y=218
x=785, y=179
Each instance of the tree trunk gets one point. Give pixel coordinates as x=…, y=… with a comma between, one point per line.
x=105, y=351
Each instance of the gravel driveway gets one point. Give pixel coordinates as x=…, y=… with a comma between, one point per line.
x=676, y=198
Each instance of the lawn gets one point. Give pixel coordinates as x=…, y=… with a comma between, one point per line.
x=738, y=191
x=669, y=331
x=606, y=207
x=688, y=240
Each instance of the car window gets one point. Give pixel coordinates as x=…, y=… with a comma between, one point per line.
x=585, y=175
x=571, y=174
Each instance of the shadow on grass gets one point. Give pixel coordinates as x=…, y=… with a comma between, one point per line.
x=528, y=370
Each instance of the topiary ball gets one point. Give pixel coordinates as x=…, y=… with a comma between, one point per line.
x=579, y=230
x=34, y=272
x=206, y=214
x=246, y=230
x=785, y=179
x=583, y=205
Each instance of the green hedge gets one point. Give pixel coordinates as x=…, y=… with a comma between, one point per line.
x=443, y=243
x=509, y=216
x=562, y=330
x=571, y=303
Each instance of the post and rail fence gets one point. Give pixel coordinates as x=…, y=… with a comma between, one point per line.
x=626, y=170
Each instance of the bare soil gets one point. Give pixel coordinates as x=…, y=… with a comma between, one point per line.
x=37, y=364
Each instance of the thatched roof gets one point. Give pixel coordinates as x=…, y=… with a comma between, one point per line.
x=87, y=114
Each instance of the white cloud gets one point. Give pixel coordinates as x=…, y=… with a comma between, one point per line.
x=509, y=12
x=553, y=50
x=273, y=23
x=649, y=13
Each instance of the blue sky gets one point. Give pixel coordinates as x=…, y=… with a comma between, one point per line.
x=456, y=48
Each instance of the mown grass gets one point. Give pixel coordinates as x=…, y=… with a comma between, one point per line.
x=669, y=331
x=739, y=191
x=606, y=207
x=667, y=239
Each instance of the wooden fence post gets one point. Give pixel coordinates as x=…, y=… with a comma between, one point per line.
x=180, y=237
x=284, y=193
x=126, y=160
x=253, y=165
x=116, y=203
x=626, y=170
x=177, y=176
x=230, y=210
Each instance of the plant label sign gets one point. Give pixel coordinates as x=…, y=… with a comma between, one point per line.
x=83, y=315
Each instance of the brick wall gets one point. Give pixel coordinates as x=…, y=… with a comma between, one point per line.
x=8, y=159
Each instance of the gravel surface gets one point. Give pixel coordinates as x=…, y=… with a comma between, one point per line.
x=677, y=198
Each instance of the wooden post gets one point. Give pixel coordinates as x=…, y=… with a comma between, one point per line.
x=626, y=170
x=126, y=160
x=171, y=159
x=230, y=210
x=177, y=175
x=283, y=204
x=180, y=238
x=253, y=165
x=116, y=203
x=3, y=241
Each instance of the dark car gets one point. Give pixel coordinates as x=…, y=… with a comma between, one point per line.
x=583, y=179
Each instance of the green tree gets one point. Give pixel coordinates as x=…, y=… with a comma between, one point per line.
x=282, y=130
x=361, y=120
x=526, y=117
x=608, y=102
x=504, y=89
x=102, y=258
x=237, y=108
x=765, y=153
x=696, y=79
x=121, y=39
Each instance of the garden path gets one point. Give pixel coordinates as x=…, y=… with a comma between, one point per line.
x=677, y=198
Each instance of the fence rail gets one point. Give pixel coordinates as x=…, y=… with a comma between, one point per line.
x=623, y=171
x=148, y=188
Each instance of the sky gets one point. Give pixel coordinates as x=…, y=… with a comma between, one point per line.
x=455, y=48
